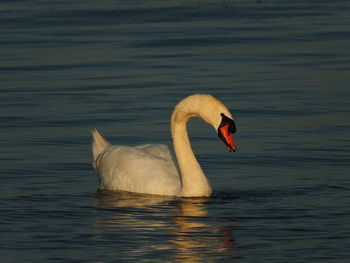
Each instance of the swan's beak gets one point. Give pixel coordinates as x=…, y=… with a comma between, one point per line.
x=226, y=137
x=225, y=130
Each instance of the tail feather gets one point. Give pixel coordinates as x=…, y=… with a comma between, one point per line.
x=99, y=144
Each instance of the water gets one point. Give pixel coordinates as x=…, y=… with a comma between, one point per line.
x=282, y=67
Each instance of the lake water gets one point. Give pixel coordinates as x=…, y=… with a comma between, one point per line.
x=282, y=67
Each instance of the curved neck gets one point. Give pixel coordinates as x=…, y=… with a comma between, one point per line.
x=194, y=182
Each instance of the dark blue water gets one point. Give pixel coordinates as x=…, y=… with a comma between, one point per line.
x=282, y=67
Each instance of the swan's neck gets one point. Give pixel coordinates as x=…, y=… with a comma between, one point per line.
x=194, y=182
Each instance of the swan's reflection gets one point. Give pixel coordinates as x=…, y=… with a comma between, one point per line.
x=190, y=221
x=107, y=198
x=180, y=227
x=198, y=233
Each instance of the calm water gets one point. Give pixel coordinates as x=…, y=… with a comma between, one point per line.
x=282, y=67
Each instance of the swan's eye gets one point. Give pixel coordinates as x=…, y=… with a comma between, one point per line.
x=226, y=120
x=232, y=127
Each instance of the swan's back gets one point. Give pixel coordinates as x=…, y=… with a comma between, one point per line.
x=142, y=169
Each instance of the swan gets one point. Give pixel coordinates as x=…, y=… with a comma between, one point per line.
x=150, y=169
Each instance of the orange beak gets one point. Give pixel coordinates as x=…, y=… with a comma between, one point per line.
x=226, y=135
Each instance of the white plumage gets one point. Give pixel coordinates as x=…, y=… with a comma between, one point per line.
x=149, y=168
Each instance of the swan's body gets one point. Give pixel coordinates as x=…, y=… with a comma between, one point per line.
x=149, y=168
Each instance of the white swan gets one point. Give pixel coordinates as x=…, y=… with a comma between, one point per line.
x=149, y=168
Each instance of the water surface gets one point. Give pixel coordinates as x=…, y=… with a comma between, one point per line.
x=282, y=67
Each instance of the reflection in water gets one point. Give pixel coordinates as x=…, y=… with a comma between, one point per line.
x=125, y=199
x=191, y=235
x=189, y=223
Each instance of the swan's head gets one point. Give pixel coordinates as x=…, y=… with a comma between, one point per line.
x=217, y=114
x=212, y=111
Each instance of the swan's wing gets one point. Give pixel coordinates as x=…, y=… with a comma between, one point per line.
x=157, y=150
x=143, y=169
